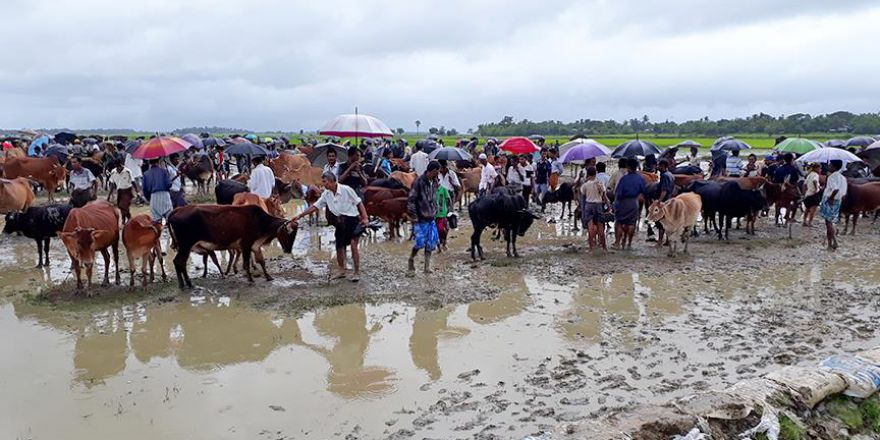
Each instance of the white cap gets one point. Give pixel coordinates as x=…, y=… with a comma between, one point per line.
x=483, y=156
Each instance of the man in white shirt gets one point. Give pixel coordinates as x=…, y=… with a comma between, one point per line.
x=487, y=177
x=419, y=161
x=123, y=185
x=734, y=164
x=262, y=179
x=448, y=179
x=177, y=197
x=83, y=183
x=344, y=203
x=134, y=166
x=332, y=166
x=835, y=191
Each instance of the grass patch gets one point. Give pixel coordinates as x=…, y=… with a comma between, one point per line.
x=789, y=430
x=847, y=411
x=870, y=409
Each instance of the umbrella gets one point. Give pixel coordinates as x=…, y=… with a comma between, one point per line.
x=246, y=148
x=492, y=139
x=426, y=145
x=731, y=145
x=871, y=155
x=688, y=144
x=835, y=143
x=585, y=149
x=670, y=152
x=825, y=155
x=536, y=137
x=160, y=147
x=578, y=136
x=859, y=141
x=798, y=145
x=41, y=142
x=721, y=139
x=432, y=137
x=132, y=145
x=318, y=156
x=213, y=142
x=89, y=141
x=450, y=153
x=251, y=137
x=633, y=148
x=194, y=140
x=64, y=137
x=519, y=145
x=59, y=151
x=356, y=125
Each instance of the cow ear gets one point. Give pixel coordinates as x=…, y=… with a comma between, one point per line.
x=68, y=238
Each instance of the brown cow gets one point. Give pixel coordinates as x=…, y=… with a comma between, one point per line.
x=683, y=180
x=400, y=165
x=782, y=195
x=140, y=236
x=470, y=184
x=45, y=170
x=16, y=195
x=221, y=227
x=287, y=166
x=746, y=183
x=374, y=198
x=392, y=211
x=94, y=227
x=677, y=215
x=312, y=195
x=650, y=177
x=406, y=179
x=271, y=206
x=859, y=199
x=200, y=170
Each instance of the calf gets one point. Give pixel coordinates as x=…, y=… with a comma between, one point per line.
x=40, y=223
x=373, y=202
x=782, y=195
x=859, y=199
x=677, y=215
x=510, y=213
x=392, y=211
x=470, y=184
x=140, y=236
x=16, y=195
x=218, y=227
x=564, y=194
x=94, y=227
x=200, y=170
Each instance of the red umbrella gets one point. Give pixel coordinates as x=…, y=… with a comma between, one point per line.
x=160, y=147
x=519, y=145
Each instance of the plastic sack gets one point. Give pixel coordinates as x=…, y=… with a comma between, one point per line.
x=862, y=376
x=769, y=425
x=694, y=434
x=544, y=436
x=809, y=385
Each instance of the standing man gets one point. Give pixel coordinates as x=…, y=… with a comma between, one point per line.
x=419, y=161
x=350, y=213
x=134, y=166
x=542, y=175
x=157, y=187
x=176, y=191
x=85, y=186
x=787, y=172
x=557, y=169
x=666, y=190
x=262, y=179
x=626, y=204
x=487, y=176
x=733, y=164
x=352, y=172
x=449, y=180
x=123, y=184
x=332, y=166
x=835, y=191
x=422, y=208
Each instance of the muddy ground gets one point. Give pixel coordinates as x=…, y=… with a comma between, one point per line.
x=502, y=349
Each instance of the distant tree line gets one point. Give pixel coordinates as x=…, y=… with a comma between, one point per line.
x=800, y=123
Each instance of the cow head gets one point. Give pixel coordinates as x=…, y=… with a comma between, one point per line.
x=526, y=218
x=81, y=244
x=286, y=235
x=656, y=211
x=13, y=223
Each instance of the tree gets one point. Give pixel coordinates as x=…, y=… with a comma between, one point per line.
x=452, y=132
x=418, y=124
x=433, y=130
x=399, y=131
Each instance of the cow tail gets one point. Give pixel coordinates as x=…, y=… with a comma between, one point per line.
x=173, y=238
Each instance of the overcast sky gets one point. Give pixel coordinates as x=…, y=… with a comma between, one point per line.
x=294, y=64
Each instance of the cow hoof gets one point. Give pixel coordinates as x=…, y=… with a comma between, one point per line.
x=268, y=278
x=515, y=255
x=105, y=284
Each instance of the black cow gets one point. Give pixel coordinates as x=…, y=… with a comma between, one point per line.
x=508, y=212
x=564, y=194
x=728, y=200
x=216, y=227
x=40, y=223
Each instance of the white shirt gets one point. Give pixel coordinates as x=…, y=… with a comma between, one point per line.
x=516, y=175
x=262, y=181
x=344, y=202
x=175, y=181
x=122, y=179
x=812, y=183
x=487, y=177
x=333, y=169
x=134, y=166
x=449, y=181
x=82, y=179
x=835, y=181
x=419, y=162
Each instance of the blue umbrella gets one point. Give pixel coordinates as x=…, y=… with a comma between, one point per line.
x=859, y=141
x=213, y=142
x=835, y=143
x=41, y=142
x=132, y=145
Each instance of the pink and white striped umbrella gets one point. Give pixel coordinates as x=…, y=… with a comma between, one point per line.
x=356, y=125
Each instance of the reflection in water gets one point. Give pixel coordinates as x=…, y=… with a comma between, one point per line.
x=348, y=376
x=512, y=300
x=99, y=355
x=428, y=327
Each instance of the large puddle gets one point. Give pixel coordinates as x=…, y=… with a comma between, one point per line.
x=207, y=367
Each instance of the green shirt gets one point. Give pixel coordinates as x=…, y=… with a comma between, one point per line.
x=443, y=200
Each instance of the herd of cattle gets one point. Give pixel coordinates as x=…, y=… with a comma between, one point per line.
x=242, y=223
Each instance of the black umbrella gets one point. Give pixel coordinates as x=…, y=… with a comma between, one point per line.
x=427, y=145
x=90, y=141
x=213, y=142
x=634, y=148
x=432, y=137
x=59, y=151
x=670, y=152
x=318, y=156
x=688, y=143
x=720, y=140
x=578, y=136
x=450, y=153
x=132, y=145
x=731, y=145
x=536, y=137
x=859, y=141
x=118, y=138
x=246, y=149
x=835, y=143
x=64, y=137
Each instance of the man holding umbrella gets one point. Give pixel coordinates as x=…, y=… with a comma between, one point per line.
x=157, y=189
